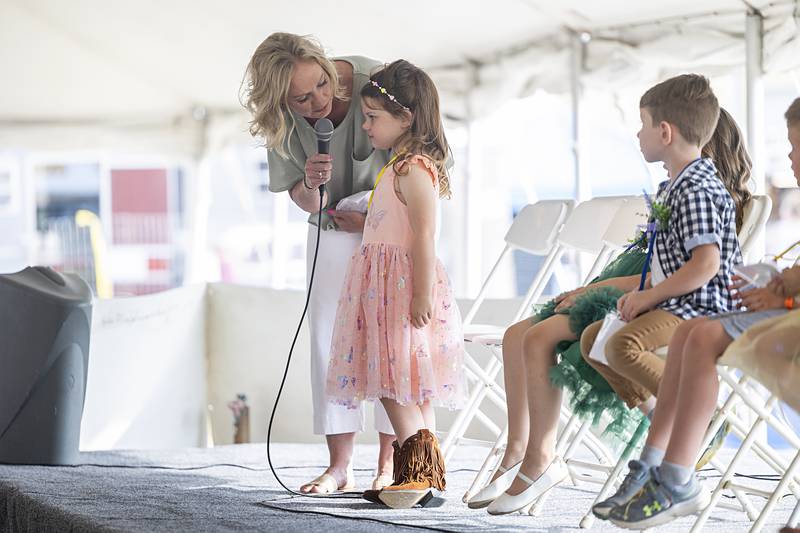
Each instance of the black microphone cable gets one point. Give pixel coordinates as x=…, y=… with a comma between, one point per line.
x=288, y=363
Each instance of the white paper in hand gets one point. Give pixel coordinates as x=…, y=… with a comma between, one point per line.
x=355, y=202
x=758, y=275
x=611, y=324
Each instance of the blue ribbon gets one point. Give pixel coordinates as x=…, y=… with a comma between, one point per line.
x=651, y=235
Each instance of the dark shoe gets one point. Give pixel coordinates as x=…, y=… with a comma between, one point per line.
x=637, y=476
x=657, y=504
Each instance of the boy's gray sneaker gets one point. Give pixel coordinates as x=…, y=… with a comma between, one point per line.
x=658, y=503
x=637, y=476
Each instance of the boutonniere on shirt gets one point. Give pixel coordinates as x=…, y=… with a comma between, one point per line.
x=659, y=212
x=657, y=218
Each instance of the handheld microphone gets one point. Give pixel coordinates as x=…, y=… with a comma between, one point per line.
x=324, y=130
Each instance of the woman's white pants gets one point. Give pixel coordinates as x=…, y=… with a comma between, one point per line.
x=335, y=250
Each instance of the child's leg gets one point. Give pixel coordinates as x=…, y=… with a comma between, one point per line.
x=630, y=350
x=544, y=399
x=406, y=419
x=516, y=396
x=385, y=453
x=631, y=359
x=698, y=391
x=633, y=394
x=660, y=429
x=676, y=491
x=429, y=415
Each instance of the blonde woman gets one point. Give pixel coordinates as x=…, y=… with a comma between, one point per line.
x=290, y=84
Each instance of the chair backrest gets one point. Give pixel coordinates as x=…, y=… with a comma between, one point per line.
x=755, y=221
x=623, y=227
x=536, y=227
x=534, y=231
x=586, y=226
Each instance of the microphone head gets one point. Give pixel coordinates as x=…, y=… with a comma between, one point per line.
x=324, y=129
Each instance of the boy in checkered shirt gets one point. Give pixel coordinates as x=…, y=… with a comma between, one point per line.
x=694, y=249
x=689, y=389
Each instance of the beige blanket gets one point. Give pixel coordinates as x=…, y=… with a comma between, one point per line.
x=770, y=352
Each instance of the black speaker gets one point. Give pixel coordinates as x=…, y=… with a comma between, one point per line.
x=45, y=324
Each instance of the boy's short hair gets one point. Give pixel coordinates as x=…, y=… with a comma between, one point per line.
x=688, y=103
x=793, y=114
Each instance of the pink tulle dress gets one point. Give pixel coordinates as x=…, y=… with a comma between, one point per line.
x=376, y=352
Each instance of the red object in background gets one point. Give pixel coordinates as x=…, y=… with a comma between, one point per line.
x=141, y=190
x=139, y=206
x=157, y=264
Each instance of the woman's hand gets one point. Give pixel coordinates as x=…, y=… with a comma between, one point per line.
x=565, y=300
x=318, y=170
x=635, y=303
x=348, y=221
x=421, y=311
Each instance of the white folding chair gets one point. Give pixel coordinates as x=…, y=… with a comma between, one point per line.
x=744, y=390
x=533, y=231
x=755, y=222
x=584, y=231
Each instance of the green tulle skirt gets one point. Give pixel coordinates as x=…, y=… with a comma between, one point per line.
x=591, y=395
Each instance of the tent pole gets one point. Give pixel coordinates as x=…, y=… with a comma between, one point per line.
x=200, y=203
x=583, y=189
x=472, y=248
x=754, y=71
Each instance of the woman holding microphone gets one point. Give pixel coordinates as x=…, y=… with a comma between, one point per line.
x=289, y=85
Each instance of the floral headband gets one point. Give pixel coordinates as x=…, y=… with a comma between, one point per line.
x=388, y=95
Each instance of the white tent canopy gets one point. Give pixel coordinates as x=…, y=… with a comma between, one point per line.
x=157, y=73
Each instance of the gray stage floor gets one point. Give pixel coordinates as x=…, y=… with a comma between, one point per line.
x=126, y=494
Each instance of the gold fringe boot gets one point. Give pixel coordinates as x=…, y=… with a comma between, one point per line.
x=419, y=469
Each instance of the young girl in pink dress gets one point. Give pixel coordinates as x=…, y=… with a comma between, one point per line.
x=397, y=336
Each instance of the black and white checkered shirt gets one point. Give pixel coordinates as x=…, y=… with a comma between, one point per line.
x=701, y=212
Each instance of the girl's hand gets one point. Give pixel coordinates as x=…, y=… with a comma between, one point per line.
x=787, y=283
x=421, y=311
x=566, y=300
x=761, y=300
x=635, y=303
x=736, y=287
x=776, y=286
x=737, y=283
x=348, y=221
x=318, y=170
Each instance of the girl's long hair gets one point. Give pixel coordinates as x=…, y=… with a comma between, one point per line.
x=726, y=149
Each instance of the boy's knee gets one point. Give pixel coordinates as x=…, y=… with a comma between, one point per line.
x=621, y=349
x=707, y=338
